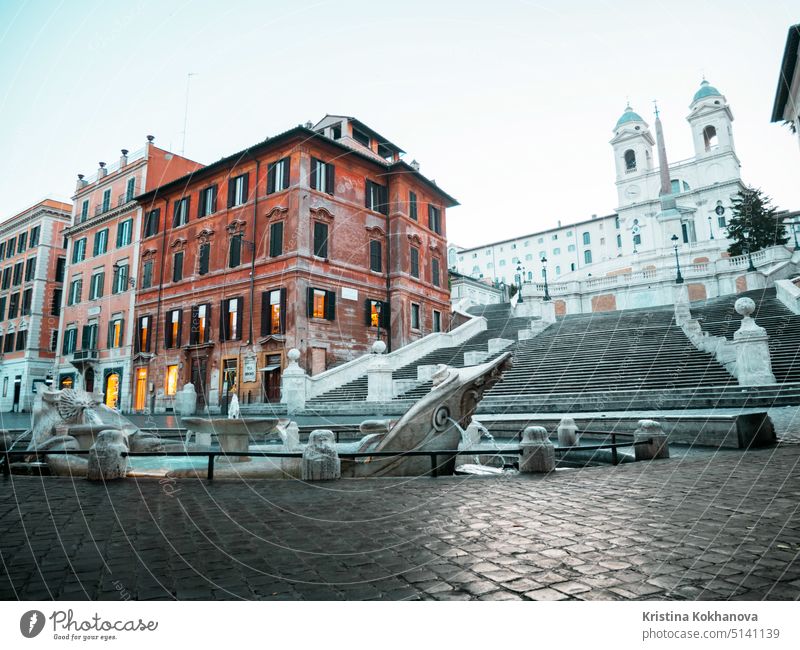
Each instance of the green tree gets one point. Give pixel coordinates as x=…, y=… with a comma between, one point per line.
x=753, y=224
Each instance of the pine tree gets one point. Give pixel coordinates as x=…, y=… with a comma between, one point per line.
x=753, y=224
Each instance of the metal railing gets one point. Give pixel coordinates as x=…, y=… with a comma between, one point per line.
x=7, y=456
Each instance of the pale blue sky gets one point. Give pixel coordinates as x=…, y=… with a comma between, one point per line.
x=508, y=104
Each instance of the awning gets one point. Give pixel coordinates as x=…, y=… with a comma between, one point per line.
x=269, y=368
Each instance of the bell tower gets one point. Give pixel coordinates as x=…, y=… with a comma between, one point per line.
x=710, y=118
x=633, y=155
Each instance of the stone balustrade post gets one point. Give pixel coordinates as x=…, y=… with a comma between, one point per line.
x=658, y=447
x=753, y=364
x=294, y=384
x=537, y=452
x=379, y=376
x=548, y=311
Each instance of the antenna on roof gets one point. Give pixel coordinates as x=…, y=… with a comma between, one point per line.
x=186, y=110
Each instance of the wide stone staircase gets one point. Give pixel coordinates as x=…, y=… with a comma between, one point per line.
x=499, y=324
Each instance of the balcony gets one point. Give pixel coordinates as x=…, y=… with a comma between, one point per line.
x=83, y=358
x=122, y=199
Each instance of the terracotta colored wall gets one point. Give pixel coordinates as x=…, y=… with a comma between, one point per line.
x=605, y=302
x=697, y=291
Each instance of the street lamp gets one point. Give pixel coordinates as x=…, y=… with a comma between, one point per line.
x=521, y=277
x=116, y=267
x=710, y=228
x=750, y=266
x=378, y=312
x=544, y=274
x=678, y=277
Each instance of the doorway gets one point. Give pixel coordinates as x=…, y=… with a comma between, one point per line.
x=112, y=390
x=141, y=389
x=17, y=391
x=271, y=383
x=229, y=372
x=88, y=380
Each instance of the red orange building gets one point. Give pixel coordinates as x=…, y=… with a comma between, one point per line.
x=320, y=238
x=32, y=264
x=96, y=342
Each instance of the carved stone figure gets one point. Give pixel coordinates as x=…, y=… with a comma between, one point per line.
x=233, y=408
x=66, y=406
x=106, y=462
x=320, y=458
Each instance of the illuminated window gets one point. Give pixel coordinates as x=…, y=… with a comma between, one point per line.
x=172, y=380
x=377, y=313
x=174, y=318
x=233, y=319
x=199, y=331
x=115, y=333
x=319, y=303
x=144, y=334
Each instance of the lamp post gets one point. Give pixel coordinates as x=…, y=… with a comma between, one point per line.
x=750, y=266
x=678, y=277
x=521, y=276
x=128, y=280
x=544, y=274
x=710, y=228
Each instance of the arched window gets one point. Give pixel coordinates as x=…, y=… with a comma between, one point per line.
x=710, y=137
x=587, y=239
x=676, y=186
x=630, y=160
x=587, y=257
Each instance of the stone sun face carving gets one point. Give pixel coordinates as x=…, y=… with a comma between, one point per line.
x=71, y=404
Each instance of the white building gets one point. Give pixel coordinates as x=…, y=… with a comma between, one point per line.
x=698, y=197
x=786, y=107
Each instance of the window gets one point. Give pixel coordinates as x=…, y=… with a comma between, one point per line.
x=541, y=240
x=558, y=270
x=55, y=306
x=75, y=289
x=572, y=266
x=101, y=242
x=70, y=340
x=172, y=328
x=276, y=239
x=619, y=241
x=177, y=266
x=26, y=302
x=106, y=200
x=89, y=337
x=115, y=330
x=8, y=343
x=377, y=313
x=17, y=274
x=124, y=233
x=278, y=176
x=435, y=219
x=96, y=285
x=616, y=222
x=199, y=330
x=501, y=263
x=230, y=319
x=6, y=277
x=437, y=321
x=151, y=222
x=556, y=251
x=637, y=239
x=143, y=334
x=414, y=262
x=2, y=250
x=571, y=248
x=61, y=267
x=172, y=380
x=361, y=137
x=587, y=257
x=119, y=281
x=273, y=312
x=376, y=197
x=208, y=201
x=322, y=176
x=130, y=189
x=238, y=190
x=414, y=316
x=30, y=269
x=147, y=274
x=180, y=212
x=630, y=160
x=2, y=308
x=321, y=304
x=34, y=237
x=21, y=340
x=79, y=251
x=435, y=279
x=710, y=139
x=587, y=239
x=85, y=210
x=235, y=251
x=375, y=257
x=203, y=254
x=12, y=244
x=721, y=222
x=555, y=236
x=412, y=205
x=320, y=239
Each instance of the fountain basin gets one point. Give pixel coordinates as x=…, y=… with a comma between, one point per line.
x=85, y=434
x=233, y=435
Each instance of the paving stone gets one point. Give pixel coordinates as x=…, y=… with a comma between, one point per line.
x=546, y=594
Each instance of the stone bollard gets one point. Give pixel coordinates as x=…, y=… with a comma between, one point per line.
x=320, y=458
x=293, y=384
x=106, y=461
x=186, y=400
x=538, y=453
x=568, y=433
x=656, y=449
x=753, y=364
x=379, y=375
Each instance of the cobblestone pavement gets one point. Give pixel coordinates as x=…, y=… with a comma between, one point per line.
x=716, y=526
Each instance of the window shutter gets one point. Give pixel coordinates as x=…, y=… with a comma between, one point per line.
x=203, y=262
x=245, y=187
x=310, y=302
x=239, y=312
x=265, y=320
x=312, y=176
x=110, y=334
x=213, y=198
x=283, y=311
x=330, y=178
x=121, y=332
x=207, y=336
x=231, y=189
x=330, y=305
x=168, y=330
x=223, y=330
x=367, y=193
x=368, y=312
x=201, y=203
x=286, y=172
x=271, y=178
x=177, y=343
x=384, y=194
x=385, y=315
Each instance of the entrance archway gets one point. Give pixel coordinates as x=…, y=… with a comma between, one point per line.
x=141, y=389
x=112, y=390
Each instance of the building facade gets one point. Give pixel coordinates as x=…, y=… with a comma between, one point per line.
x=700, y=188
x=95, y=349
x=32, y=267
x=320, y=239
x=786, y=107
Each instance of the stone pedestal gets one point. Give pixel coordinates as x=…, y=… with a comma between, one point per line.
x=106, y=462
x=538, y=453
x=186, y=400
x=293, y=384
x=568, y=433
x=379, y=376
x=753, y=364
x=320, y=458
x=680, y=296
x=233, y=442
x=658, y=448
x=548, y=312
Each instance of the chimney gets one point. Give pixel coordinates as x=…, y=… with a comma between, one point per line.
x=415, y=165
x=123, y=159
x=308, y=125
x=81, y=183
x=594, y=216
x=102, y=171
x=559, y=223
